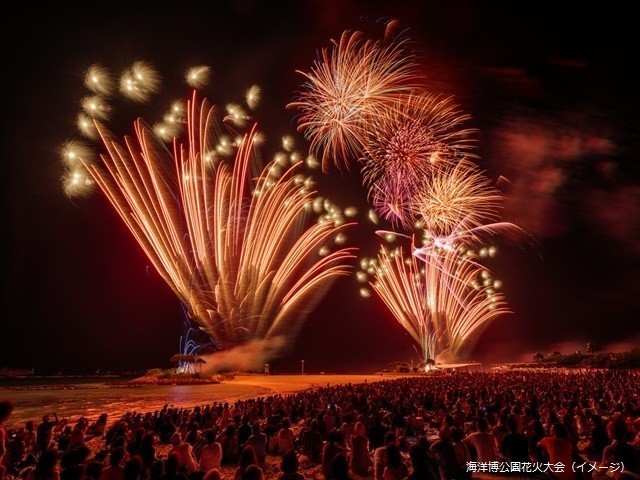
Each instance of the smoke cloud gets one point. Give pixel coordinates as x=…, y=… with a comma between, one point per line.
x=250, y=356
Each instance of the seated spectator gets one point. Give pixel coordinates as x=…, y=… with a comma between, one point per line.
x=184, y=452
x=211, y=453
x=559, y=451
x=98, y=428
x=332, y=448
x=172, y=468
x=229, y=445
x=621, y=452
x=115, y=469
x=380, y=455
x=285, y=437
x=133, y=468
x=482, y=443
x=598, y=438
x=360, y=458
x=258, y=440
x=514, y=444
x=420, y=465
x=340, y=467
x=46, y=469
x=247, y=458
x=395, y=468
x=312, y=442
x=289, y=467
x=442, y=449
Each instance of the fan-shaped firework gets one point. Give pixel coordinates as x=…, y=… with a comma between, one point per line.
x=420, y=133
x=241, y=256
x=350, y=85
x=443, y=303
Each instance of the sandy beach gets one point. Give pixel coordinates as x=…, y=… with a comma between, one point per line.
x=75, y=399
x=285, y=384
x=239, y=387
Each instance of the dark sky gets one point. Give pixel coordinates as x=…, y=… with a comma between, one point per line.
x=551, y=87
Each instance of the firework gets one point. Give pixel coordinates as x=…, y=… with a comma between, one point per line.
x=99, y=80
x=457, y=195
x=241, y=254
x=421, y=133
x=350, y=85
x=198, y=77
x=443, y=302
x=76, y=180
x=252, y=96
x=140, y=81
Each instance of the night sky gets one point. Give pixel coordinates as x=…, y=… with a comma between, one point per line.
x=552, y=89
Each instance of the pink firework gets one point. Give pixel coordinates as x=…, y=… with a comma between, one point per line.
x=350, y=85
x=391, y=200
x=420, y=133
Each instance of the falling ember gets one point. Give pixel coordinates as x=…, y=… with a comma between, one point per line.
x=96, y=107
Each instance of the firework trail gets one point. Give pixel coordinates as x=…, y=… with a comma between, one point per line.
x=421, y=134
x=350, y=85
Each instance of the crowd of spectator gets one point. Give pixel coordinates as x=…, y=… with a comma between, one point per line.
x=533, y=424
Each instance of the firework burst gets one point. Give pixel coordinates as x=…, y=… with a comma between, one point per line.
x=457, y=196
x=350, y=85
x=420, y=134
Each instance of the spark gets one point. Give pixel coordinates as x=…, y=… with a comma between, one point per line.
x=198, y=77
x=253, y=96
x=140, y=81
x=99, y=80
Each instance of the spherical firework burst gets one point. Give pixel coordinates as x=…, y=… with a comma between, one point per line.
x=457, y=196
x=350, y=85
x=421, y=132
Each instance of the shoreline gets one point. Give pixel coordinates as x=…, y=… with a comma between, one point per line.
x=150, y=397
